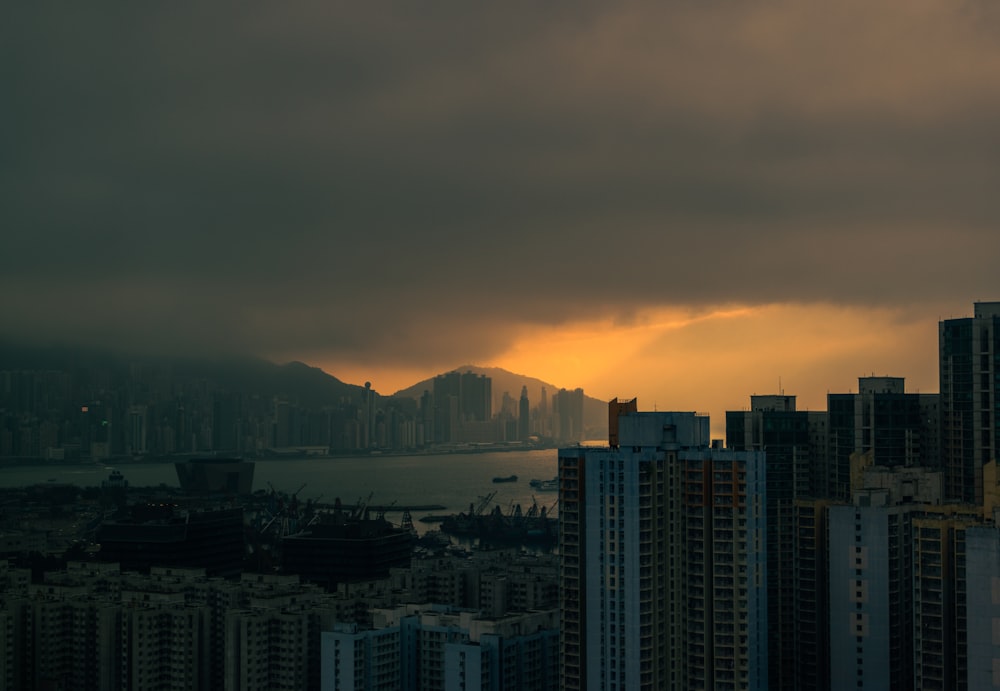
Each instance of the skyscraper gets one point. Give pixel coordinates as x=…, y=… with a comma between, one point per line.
x=969, y=354
x=523, y=416
x=568, y=405
x=662, y=559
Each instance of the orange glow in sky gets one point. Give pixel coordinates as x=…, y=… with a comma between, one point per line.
x=712, y=362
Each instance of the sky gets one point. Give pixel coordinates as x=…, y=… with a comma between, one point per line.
x=687, y=202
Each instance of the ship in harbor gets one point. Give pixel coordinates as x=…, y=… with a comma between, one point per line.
x=508, y=478
x=546, y=485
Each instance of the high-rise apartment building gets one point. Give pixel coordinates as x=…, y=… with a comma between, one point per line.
x=969, y=369
x=774, y=426
x=418, y=647
x=871, y=575
x=982, y=549
x=811, y=582
x=940, y=597
x=900, y=429
x=663, y=573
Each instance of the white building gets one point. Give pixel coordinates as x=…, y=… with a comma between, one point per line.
x=663, y=549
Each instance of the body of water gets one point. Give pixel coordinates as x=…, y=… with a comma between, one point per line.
x=451, y=480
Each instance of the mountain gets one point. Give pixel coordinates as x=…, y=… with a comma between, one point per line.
x=595, y=411
x=309, y=386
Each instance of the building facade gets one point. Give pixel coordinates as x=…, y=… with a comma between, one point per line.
x=774, y=426
x=969, y=370
x=663, y=573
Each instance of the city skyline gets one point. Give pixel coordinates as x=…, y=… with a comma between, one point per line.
x=684, y=203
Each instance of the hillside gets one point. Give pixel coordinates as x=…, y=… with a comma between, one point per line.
x=309, y=386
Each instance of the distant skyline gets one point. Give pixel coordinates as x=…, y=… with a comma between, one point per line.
x=684, y=202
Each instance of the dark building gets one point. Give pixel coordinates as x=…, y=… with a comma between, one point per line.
x=568, y=405
x=774, y=426
x=477, y=397
x=447, y=406
x=523, y=416
x=899, y=428
x=811, y=600
x=344, y=549
x=159, y=535
x=969, y=370
x=226, y=422
x=460, y=399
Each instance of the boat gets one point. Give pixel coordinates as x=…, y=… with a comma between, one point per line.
x=546, y=485
x=509, y=478
x=434, y=518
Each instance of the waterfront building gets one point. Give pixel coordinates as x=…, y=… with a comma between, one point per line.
x=136, y=429
x=663, y=569
x=567, y=409
x=523, y=416
x=463, y=407
x=477, y=397
x=969, y=370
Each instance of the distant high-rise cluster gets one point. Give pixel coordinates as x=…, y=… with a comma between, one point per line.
x=110, y=410
x=462, y=413
x=849, y=548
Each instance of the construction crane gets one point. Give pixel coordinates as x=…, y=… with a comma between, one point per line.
x=359, y=512
x=483, y=503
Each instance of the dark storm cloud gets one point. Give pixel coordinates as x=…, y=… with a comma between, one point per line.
x=408, y=182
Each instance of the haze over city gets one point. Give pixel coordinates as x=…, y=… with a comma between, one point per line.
x=684, y=202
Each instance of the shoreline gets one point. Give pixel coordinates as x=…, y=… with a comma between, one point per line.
x=23, y=461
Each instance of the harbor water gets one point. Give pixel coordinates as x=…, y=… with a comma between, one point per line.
x=453, y=481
